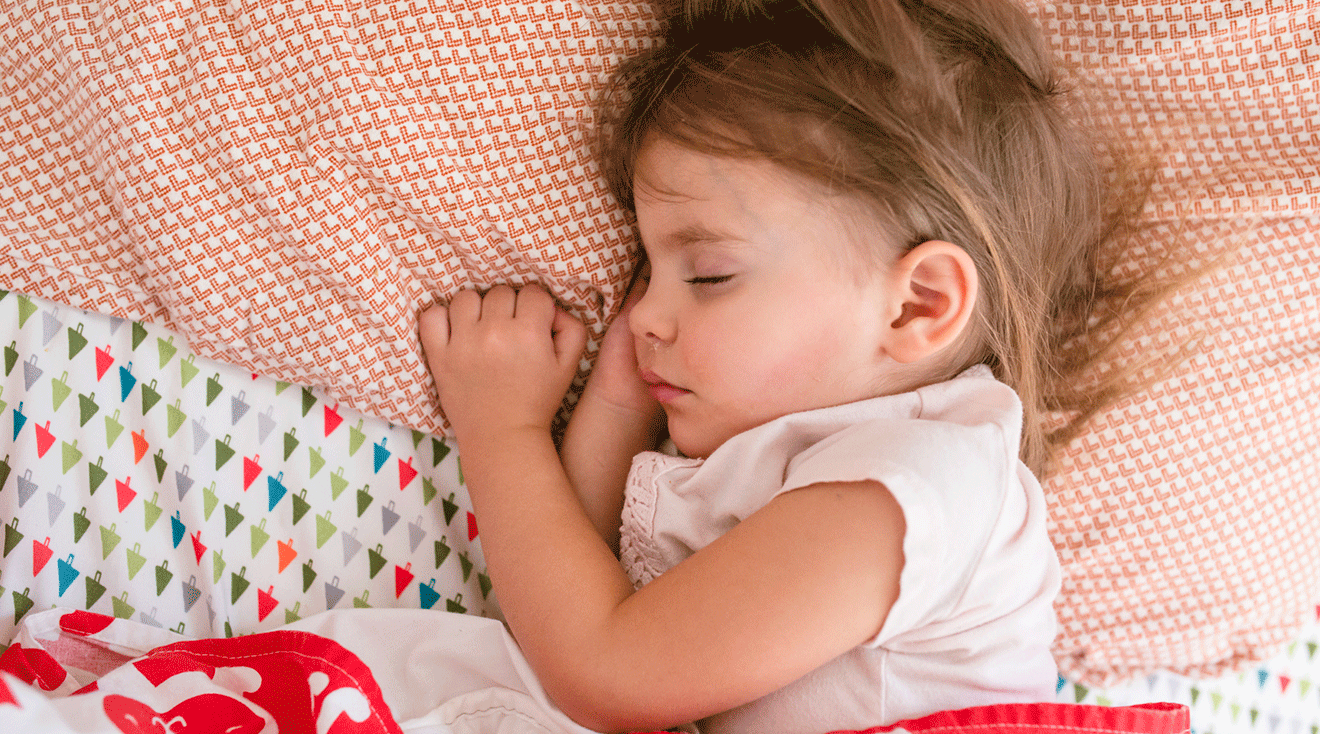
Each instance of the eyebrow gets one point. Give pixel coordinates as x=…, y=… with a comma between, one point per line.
x=696, y=234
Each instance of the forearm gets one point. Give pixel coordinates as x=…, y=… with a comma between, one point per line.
x=557, y=581
x=599, y=445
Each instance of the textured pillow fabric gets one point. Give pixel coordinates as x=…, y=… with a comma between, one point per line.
x=288, y=184
x=1187, y=518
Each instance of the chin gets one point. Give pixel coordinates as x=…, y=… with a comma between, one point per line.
x=697, y=439
x=686, y=448
x=693, y=447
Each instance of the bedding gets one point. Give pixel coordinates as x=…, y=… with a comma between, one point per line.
x=1186, y=517
x=301, y=681
x=143, y=482
x=1277, y=695
x=284, y=187
x=287, y=184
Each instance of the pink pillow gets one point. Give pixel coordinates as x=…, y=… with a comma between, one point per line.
x=1187, y=518
x=288, y=186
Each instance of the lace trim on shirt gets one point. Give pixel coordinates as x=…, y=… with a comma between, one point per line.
x=639, y=556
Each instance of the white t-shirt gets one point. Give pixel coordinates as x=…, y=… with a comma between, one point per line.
x=974, y=618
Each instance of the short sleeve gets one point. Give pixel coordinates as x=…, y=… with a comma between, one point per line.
x=949, y=481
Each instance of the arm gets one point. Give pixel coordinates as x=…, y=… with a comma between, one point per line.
x=597, y=453
x=615, y=420
x=807, y=578
x=739, y=619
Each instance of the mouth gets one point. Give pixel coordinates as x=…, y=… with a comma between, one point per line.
x=662, y=391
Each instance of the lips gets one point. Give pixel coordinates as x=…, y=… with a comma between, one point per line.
x=662, y=391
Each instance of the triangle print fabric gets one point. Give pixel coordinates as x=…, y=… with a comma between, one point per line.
x=1279, y=695
x=141, y=481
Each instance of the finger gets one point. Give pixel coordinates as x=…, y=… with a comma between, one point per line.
x=433, y=328
x=570, y=338
x=536, y=305
x=641, y=276
x=635, y=291
x=499, y=302
x=464, y=309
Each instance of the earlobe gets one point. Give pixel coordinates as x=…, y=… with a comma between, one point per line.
x=935, y=287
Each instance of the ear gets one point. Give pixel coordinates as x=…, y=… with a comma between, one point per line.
x=934, y=288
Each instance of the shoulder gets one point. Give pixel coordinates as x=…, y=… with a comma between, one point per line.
x=959, y=437
x=974, y=398
x=951, y=466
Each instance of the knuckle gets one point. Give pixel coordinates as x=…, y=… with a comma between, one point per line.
x=464, y=299
x=433, y=315
x=433, y=324
x=534, y=296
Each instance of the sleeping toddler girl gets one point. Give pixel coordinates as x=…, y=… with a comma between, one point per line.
x=872, y=249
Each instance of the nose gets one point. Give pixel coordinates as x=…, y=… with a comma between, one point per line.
x=649, y=319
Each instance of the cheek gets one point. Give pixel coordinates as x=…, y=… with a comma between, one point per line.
x=758, y=361
x=801, y=367
x=706, y=361
x=802, y=362
x=766, y=356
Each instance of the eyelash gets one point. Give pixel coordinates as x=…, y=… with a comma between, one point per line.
x=709, y=280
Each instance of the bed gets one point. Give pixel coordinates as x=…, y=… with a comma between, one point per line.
x=219, y=222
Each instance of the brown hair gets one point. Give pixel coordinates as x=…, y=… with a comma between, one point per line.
x=948, y=116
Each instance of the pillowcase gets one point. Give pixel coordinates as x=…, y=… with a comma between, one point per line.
x=288, y=185
x=1186, y=517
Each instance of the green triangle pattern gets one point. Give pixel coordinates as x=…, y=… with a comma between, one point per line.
x=165, y=527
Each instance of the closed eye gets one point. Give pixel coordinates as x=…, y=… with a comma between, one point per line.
x=709, y=279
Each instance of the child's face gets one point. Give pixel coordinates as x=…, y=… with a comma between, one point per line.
x=750, y=313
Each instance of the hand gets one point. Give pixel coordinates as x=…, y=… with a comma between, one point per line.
x=503, y=361
x=614, y=380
